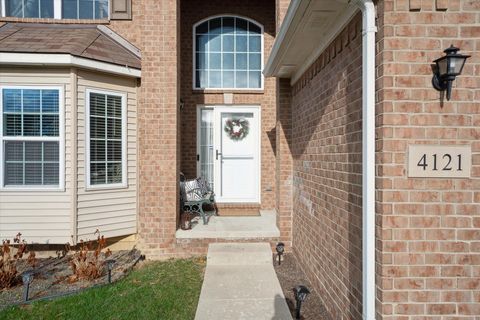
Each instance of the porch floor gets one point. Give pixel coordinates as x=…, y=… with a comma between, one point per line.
x=263, y=226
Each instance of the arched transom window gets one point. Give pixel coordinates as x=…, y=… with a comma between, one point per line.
x=228, y=54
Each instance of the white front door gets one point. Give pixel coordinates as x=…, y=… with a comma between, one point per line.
x=229, y=152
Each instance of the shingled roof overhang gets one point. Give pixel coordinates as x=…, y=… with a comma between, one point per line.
x=85, y=46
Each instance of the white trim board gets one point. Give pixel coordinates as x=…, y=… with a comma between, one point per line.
x=45, y=59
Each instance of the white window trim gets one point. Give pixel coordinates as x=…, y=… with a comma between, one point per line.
x=194, y=69
x=57, y=10
x=60, y=138
x=124, y=183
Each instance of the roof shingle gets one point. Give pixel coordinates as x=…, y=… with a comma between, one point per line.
x=85, y=41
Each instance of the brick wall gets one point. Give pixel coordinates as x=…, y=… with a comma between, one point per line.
x=284, y=161
x=264, y=13
x=155, y=30
x=429, y=236
x=326, y=147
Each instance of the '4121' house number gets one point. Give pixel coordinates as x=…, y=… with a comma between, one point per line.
x=439, y=161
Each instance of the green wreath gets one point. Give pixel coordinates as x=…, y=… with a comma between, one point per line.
x=237, y=129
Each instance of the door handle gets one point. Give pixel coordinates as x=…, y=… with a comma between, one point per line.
x=217, y=154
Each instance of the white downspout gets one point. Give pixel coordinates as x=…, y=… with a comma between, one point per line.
x=368, y=157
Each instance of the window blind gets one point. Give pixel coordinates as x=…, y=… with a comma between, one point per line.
x=105, y=139
x=27, y=114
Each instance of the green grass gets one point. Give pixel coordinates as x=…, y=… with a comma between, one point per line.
x=157, y=290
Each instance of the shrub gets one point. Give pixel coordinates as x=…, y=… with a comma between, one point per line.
x=88, y=262
x=8, y=263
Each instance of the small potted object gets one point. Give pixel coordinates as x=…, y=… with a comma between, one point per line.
x=186, y=221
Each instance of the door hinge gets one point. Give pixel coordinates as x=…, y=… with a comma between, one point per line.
x=198, y=157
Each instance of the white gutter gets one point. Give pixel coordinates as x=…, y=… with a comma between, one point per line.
x=46, y=59
x=368, y=157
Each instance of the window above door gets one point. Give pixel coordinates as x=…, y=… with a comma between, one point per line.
x=228, y=54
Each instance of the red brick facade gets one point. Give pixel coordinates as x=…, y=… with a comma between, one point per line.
x=326, y=147
x=428, y=229
x=264, y=13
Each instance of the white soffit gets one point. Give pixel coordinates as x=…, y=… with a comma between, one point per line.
x=308, y=28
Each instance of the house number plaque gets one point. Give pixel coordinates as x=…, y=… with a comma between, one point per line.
x=439, y=161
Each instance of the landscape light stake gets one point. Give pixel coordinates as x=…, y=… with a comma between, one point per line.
x=27, y=278
x=280, y=250
x=110, y=263
x=301, y=293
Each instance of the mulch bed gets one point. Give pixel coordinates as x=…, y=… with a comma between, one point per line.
x=51, y=277
x=290, y=275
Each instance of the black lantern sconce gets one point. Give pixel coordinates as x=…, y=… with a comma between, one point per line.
x=280, y=250
x=110, y=263
x=27, y=278
x=447, y=68
x=301, y=293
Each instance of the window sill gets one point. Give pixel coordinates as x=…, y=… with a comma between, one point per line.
x=31, y=189
x=57, y=21
x=107, y=187
x=243, y=91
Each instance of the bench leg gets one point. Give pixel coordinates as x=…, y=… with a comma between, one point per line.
x=202, y=214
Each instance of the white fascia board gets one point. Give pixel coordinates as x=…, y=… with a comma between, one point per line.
x=42, y=59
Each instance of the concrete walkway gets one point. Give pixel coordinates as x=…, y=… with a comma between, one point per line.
x=240, y=283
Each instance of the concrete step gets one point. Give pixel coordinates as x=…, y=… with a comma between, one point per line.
x=231, y=254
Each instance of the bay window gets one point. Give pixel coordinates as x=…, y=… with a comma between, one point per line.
x=31, y=137
x=106, y=139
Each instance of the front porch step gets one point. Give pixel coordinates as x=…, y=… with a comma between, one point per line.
x=259, y=227
x=238, y=209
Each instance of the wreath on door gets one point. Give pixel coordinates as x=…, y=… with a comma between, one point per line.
x=237, y=129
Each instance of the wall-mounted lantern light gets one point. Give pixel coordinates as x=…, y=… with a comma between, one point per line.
x=447, y=68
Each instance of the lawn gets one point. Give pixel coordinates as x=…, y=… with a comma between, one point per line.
x=156, y=290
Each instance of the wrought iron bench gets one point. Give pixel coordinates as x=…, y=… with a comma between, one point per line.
x=194, y=194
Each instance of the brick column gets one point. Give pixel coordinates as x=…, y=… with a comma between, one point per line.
x=284, y=161
x=281, y=8
x=158, y=127
x=428, y=229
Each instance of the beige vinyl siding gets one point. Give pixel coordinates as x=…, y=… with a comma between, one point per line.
x=112, y=211
x=41, y=216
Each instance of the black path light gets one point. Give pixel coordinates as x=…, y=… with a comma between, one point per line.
x=301, y=293
x=27, y=278
x=110, y=263
x=447, y=68
x=280, y=250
